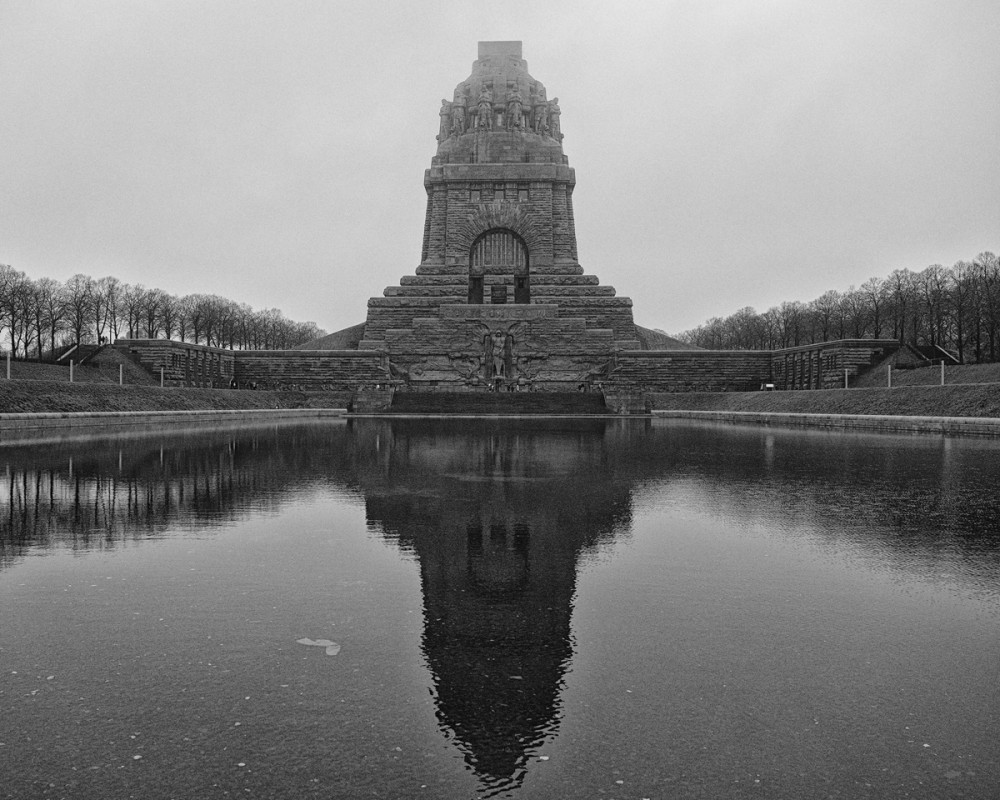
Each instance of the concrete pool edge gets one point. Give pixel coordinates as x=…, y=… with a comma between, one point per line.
x=951, y=426
x=32, y=427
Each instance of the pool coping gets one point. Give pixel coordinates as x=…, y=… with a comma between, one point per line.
x=951, y=426
x=37, y=427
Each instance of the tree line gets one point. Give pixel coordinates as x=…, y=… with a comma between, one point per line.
x=37, y=316
x=957, y=308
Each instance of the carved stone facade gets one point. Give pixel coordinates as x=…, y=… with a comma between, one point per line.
x=499, y=266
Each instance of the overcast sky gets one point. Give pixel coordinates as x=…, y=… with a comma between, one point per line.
x=727, y=153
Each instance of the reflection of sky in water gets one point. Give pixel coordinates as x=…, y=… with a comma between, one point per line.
x=607, y=608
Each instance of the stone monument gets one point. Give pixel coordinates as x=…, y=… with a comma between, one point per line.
x=499, y=299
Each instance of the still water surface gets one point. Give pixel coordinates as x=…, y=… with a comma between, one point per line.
x=535, y=609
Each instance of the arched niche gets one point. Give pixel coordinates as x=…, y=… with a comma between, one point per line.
x=499, y=254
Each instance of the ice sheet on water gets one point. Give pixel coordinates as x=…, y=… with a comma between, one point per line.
x=332, y=648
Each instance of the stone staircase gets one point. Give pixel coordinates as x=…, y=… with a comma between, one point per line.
x=499, y=403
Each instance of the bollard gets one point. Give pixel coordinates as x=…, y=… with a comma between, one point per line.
x=161, y=377
x=890, y=376
x=71, y=370
x=8, y=366
x=845, y=380
x=942, y=372
x=121, y=374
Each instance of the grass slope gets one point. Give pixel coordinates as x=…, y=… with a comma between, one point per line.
x=53, y=396
x=919, y=401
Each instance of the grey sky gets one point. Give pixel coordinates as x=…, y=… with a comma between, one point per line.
x=727, y=153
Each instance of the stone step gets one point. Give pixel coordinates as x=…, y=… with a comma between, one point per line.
x=483, y=403
x=454, y=291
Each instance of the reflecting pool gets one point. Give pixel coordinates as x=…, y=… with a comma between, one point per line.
x=497, y=608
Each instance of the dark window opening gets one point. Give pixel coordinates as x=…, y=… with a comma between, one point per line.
x=522, y=292
x=476, y=290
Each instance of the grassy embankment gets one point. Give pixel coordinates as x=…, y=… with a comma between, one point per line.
x=970, y=391
x=37, y=388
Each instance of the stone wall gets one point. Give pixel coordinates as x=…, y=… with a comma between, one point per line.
x=690, y=370
x=182, y=363
x=195, y=365
x=317, y=370
x=815, y=366
x=823, y=365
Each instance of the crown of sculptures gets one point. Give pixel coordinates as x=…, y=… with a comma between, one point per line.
x=500, y=96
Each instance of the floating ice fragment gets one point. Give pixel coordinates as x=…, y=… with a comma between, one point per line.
x=543, y=758
x=332, y=648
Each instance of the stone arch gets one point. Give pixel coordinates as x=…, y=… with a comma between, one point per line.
x=503, y=255
x=509, y=216
x=499, y=248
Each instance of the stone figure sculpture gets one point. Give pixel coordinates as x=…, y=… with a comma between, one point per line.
x=499, y=364
x=445, y=115
x=484, y=109
x=515, y=109
x=542, y=117
x=539, y=109
x=458, y=116
x=554, y=113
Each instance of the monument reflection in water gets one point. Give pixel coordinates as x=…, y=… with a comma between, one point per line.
x=498, y=550
x=499, y=517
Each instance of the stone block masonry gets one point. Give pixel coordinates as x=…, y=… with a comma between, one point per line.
x=312, y=370
x=194, y=365
x=181, y=363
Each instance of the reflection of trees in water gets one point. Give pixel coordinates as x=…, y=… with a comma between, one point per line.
x=919, y=506
x=100, y=494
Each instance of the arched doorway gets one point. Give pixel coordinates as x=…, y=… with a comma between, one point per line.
x=499, y=258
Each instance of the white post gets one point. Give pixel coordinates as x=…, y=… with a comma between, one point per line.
x=71, y=370
x=890, y=376
x=161, y=377
x=8, y=366
x=845, y=379
x=121, y=374
x=942, y=372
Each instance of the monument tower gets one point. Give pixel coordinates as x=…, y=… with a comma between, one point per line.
x=499, y=297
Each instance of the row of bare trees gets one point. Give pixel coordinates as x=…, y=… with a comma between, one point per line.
x=957, y=308
x=37, y=316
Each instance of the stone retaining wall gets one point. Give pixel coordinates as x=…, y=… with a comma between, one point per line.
x=327, y=370
x=691, y=370
x=182, y=363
